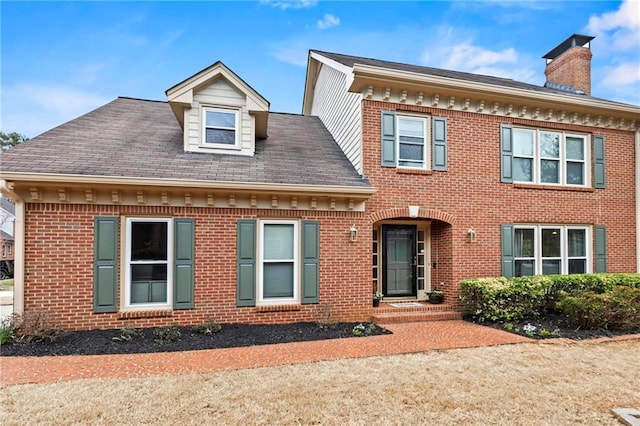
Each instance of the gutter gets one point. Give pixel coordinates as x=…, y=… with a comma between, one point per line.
x=18, y=250
x=66, y=179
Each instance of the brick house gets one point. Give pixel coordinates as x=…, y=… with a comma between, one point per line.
x=396, y=178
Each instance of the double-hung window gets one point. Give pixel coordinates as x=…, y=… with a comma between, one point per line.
x=149, y=243
x=549, y=158
x=278, y=267
x=220, y=127
x=412, y=142
x=551, y=249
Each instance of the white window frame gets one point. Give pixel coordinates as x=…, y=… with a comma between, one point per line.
x=537, y=158
x=296, y=264
x=564, y=246
x=127, y=264
x=426, y=148
x=236, y=129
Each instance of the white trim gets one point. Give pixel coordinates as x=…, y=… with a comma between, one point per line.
x=426, y=147
x=261, y=300
x=204, y=109
x=637, y=201
x=536, y=171
x=126, y=265
x=564, y=246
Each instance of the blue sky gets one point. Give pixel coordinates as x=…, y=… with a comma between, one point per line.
x=63, y=59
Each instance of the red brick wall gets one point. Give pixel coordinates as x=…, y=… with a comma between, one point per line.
x=471, y=191
x=573, y=68
x=59, y=266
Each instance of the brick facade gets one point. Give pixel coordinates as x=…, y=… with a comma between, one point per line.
x=471, y=194
x=572, y=68
x=59, y=266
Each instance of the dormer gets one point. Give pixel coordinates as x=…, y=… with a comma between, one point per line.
x=219, y=112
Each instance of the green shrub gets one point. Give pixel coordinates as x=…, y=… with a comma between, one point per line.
x=8, y=327
x=167, y=334
x=502, y=299
x=208, y=327
x=617, y=309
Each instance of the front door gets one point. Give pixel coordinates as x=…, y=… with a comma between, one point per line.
x=399, y=260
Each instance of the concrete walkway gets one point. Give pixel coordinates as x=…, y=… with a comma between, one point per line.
x=6, y=304
x=406, y=338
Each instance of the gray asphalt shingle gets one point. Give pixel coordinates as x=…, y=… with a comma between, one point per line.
x=140, y=138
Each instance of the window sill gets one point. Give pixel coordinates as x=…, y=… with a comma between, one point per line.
x=413, y=171
x=279, y=308
x=553, y=187
x=145, y=314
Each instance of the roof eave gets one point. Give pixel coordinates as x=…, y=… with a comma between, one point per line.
x=367, y=74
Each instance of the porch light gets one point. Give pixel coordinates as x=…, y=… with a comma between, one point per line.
x=471, y=235
x=353, y=233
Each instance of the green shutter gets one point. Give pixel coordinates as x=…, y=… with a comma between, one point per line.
x=601, y=248
x=388, y=146
x=310, y=262
x=105, y=264
x=183, y=278
x=439, y=132
x=246, y=263
x=506, y=154
x=599, y=179
x=506, y=237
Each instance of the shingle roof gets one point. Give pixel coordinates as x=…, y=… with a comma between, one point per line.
x=350, y=61
x=140, y=138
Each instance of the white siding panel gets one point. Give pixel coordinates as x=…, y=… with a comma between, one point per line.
x=220, y=94
x=340, y=112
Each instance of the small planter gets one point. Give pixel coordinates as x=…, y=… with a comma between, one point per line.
x=436, y=298
x=376, y=303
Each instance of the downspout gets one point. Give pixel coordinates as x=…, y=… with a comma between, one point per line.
x=638, y=200
x=6, y=188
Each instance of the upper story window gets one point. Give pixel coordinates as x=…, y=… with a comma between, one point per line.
x=413, y=142
x=220, y=127
x=545, y=157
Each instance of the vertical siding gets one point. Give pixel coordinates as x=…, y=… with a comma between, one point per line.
x=219, y=94
x=340, y=112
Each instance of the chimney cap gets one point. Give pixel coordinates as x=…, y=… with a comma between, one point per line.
x=573, y=41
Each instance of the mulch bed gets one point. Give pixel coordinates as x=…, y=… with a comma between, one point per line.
x=117, y=341
x=556, y=324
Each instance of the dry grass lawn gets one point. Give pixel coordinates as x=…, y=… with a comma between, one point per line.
x=525, y=384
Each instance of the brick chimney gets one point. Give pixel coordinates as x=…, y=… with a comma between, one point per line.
x=569, y=65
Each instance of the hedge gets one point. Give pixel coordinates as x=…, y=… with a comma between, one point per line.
x=502, y=299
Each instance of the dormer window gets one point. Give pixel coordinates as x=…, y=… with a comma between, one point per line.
x=220, y=127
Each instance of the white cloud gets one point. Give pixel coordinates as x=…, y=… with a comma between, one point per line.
x=616, y=59
x=466, y=56
x=328, y=21
x=622, y=75
x=32, y=108
x=290, y=4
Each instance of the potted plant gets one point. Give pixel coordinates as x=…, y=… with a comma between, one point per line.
x=377, y=297
x=435, y=296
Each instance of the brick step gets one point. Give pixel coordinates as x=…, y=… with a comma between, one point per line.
x=414, y=312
